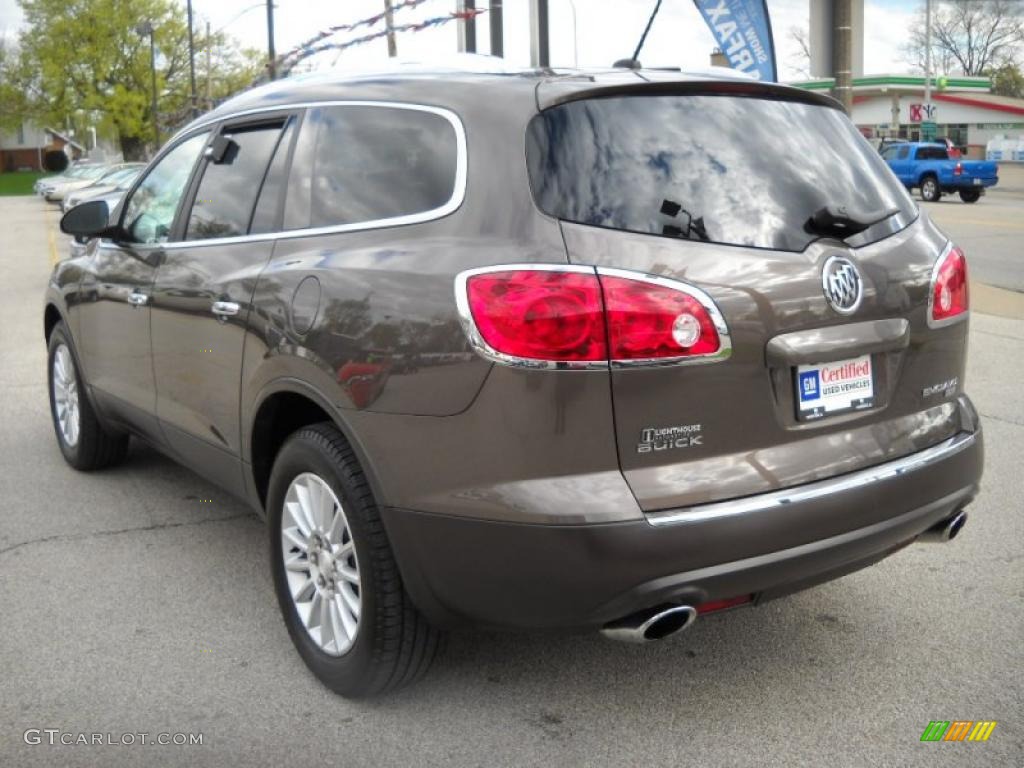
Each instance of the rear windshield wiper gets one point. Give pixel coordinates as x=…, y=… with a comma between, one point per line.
x=838, y=221
x=694, y=226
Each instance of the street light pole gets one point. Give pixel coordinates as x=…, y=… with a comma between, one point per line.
x=191, y=63
x=272, y=63
x=143, y=29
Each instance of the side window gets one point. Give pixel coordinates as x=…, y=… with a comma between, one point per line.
x=357, y=164
x=149, y=212
x=264, y=218
x=904, y=152
x=889, y=153
x=230, y=184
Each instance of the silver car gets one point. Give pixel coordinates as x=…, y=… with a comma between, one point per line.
x=118, y=180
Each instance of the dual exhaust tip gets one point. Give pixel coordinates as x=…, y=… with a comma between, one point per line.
x=667, y=621
x=945, y=530
x=648, y=626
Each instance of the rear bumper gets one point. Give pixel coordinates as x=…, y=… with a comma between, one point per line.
x=462, y=571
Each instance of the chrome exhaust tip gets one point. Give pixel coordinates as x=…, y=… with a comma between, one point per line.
x=652, y=625
x=946, y=530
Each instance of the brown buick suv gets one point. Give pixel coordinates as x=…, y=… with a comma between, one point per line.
x=582, y=350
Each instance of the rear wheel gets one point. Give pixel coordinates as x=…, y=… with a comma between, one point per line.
x=334, y=573
x=930, y=191
x=970, y=195
x=82, y=439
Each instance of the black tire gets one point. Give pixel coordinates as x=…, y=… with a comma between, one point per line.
x=970, y=195
x=930, y=190
x=394, y=644
x=95, y=447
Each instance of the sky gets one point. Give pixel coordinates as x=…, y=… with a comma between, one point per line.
x=605, y=30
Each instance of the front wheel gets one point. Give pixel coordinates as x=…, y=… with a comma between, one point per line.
x=334, y=573
x=83, y=441
x=970, y=195
x=930, y=191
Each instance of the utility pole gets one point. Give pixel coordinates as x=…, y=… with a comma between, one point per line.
x=928, y=57
x=467, y=27
x=540, y=51
x=497, y=29
x=271, y=53
x=842, y=52
x=209, y=45
x=191, y=63
x=389, y=25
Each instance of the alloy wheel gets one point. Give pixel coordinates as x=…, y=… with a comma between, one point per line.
x=65, y=396
x=320, y=564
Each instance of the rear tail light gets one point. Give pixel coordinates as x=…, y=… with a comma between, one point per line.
x=581, y=317
x=958, y=169
x=542, y=315
x=948, y=299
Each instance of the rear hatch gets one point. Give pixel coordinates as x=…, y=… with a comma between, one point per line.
x=713, y=184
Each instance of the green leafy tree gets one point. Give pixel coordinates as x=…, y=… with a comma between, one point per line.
x=86, y=63
x=1007, y=80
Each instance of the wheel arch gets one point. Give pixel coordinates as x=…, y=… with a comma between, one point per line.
x=282, y=407
x=51, y=316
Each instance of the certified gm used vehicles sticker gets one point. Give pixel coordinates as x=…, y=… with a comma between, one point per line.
x=682, y=384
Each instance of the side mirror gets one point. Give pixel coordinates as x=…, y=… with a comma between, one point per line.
x=88, y=220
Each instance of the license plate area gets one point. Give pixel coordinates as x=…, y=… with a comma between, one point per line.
x=828, y=389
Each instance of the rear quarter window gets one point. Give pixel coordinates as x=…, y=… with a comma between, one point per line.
x=724, y=169
x=360, y=164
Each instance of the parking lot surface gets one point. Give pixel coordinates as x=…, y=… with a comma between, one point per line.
x=138, y=600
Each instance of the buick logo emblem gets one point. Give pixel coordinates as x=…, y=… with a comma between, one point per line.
x=842, y=285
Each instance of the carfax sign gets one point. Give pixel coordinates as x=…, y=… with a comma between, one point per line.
x=744, y=33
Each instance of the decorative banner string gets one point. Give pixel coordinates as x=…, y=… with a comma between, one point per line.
x=306, y=52
x=369, y=22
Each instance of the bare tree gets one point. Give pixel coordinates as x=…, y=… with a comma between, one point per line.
x=800, y=58
x=968, y=36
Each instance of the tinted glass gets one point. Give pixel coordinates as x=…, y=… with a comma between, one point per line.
x=228, y=189
x=725, y=169
x=264, y=218
x=932, y=153
x=150, y=210
x=357, y=164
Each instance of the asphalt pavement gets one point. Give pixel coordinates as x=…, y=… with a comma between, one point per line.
x=138, y=600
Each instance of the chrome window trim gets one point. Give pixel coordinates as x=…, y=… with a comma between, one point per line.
x=766, y=502
x=453, y=204
x=931, y=292
x=481, y=347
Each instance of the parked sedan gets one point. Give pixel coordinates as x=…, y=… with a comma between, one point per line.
x=73, y=172
x=94, y=175
x=112, y=182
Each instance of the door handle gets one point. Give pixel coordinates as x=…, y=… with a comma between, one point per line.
x=225, y=309
x=137, y=299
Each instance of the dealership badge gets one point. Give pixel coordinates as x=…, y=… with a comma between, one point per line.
x=842, y=284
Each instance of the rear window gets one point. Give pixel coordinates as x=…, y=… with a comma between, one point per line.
x=932, y=153
x=724, y=169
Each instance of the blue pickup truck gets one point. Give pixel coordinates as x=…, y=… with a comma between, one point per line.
x=930, y=168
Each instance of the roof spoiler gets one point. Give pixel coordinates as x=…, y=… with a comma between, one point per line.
x=575, y=88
